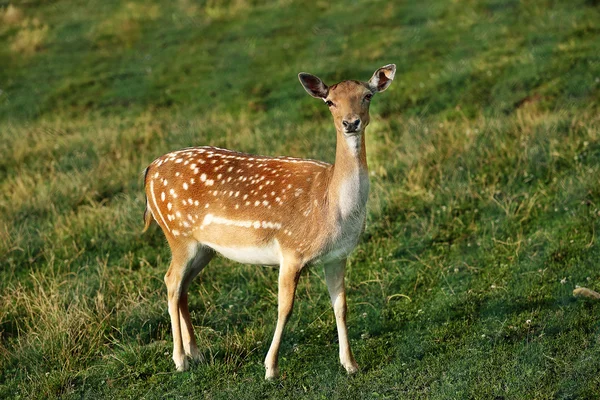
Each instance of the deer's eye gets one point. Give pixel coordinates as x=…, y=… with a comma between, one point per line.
x=368, y=97
x=329, y=103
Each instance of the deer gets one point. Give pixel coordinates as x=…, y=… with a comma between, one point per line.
x=279, y=211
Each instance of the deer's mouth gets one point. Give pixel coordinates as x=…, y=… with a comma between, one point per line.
x=352, y=132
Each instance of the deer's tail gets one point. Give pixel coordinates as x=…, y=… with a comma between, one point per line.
x=147, y=213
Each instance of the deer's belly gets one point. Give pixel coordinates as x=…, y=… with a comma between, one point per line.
x=264, y=255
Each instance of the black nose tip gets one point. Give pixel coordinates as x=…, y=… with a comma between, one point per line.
x=351, y=125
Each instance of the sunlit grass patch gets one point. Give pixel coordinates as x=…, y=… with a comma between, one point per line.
x=12, y=15
x=30, y=37
x=124, y=27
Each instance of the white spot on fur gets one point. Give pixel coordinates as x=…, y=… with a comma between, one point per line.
x=207, y=219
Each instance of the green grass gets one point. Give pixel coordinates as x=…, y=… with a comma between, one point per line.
x=484, y=212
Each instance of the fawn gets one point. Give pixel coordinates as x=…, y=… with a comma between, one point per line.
x=267, y=210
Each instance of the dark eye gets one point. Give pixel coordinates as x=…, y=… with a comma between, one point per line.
x=329, y=103
x=368, y=97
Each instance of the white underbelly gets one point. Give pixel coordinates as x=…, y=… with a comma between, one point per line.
x=264, y=255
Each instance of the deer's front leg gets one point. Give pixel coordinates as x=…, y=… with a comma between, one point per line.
x=334, y=276
x=289, y=272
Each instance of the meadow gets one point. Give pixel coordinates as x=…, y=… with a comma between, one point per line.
x=483, y=216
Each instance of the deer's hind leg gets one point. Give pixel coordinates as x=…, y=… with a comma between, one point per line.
x=187, y=261
x=197, y=264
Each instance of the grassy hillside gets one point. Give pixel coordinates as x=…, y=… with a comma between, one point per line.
x=484, y=212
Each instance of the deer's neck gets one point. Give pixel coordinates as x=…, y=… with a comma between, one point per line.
x=349, y=186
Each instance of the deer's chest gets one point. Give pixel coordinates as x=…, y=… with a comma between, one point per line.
x=349, y=221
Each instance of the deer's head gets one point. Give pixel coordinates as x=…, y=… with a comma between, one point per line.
x=349, y=101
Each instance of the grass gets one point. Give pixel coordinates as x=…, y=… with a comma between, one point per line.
x=483, y=216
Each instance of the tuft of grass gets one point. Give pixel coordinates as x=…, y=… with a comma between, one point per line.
x=30, y=37
x=12, y=15
x=124, y=27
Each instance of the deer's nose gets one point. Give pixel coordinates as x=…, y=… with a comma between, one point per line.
x=351, y=124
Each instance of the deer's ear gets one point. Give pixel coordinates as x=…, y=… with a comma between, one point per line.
x=313, y=85
x=382, y=78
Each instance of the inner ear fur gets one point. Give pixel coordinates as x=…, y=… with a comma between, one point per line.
x=382, y=78
x=313, y=85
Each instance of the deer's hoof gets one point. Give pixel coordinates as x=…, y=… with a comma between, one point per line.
x=271, y=373
x=181, y=364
